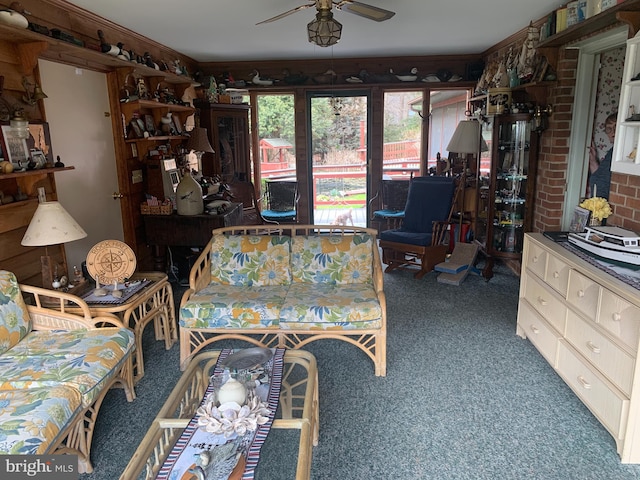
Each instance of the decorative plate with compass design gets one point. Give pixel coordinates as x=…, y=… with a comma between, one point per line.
x=110, y=261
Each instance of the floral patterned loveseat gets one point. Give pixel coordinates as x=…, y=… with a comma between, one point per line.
x=55, y=369
x=277, y=285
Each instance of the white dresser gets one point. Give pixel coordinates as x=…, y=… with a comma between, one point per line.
x=586, y=323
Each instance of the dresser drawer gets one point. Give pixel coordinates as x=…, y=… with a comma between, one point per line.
x=620, y=317
x=616, y=364
x=545, y=301
x=536, y=259
x=557, y=274
x=583, y=294
x=608, y=404
x=538, y=332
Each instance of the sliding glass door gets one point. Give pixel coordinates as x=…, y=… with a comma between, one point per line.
x=339, y=160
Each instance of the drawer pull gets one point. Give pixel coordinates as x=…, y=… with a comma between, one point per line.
x=542, y=301
x=616, y=317
x=580, y=293
x=556, y=274
x=586, y=385
x=534, y=329
x=592, y=347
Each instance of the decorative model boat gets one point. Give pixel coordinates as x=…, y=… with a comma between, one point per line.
x=610, y=243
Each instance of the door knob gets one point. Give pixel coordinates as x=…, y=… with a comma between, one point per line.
x=117, y=195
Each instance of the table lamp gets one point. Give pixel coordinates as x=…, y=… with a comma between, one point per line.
x=199, y=143
x=51, y=225
x=466, y=140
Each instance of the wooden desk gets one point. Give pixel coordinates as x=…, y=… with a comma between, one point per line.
x=174, y=230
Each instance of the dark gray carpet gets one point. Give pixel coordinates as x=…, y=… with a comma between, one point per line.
x=464, y=398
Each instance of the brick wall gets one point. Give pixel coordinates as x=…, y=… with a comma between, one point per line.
x=553, y=160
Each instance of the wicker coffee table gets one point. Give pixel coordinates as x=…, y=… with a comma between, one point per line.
x=297, y=409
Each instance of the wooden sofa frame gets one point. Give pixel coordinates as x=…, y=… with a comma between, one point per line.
x=56, y=310
x=373, y=342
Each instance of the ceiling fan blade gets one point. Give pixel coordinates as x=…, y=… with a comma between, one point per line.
x=364, y=10
x=286, y=14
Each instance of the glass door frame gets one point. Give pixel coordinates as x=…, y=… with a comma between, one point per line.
x=329, y=93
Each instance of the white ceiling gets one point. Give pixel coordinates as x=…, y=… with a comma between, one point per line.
x=225, y=30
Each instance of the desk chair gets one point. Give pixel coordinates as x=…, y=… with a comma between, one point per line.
x=281, y=198
x=393, y=197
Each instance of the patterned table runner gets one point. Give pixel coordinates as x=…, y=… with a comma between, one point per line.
x=194, y=441
x=629, y=275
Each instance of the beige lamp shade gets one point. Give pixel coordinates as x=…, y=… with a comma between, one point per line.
x=51, y=224
x=467, y=138
x=199, y=141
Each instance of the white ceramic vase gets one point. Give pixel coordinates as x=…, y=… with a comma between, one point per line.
x=189, y=196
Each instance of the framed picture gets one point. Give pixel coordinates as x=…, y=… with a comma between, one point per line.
x=579, y=220
x=40, y=139
x=142, y=127
x=175, y=124
x=38, y=158
x=149, y=124
x=15, y=149
x=541, y=70
x=138, y=130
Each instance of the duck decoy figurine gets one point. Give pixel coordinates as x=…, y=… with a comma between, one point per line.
x=14, y=15
x=410, y=76
x=293, y=78
x=327, y=77
x=258, y=80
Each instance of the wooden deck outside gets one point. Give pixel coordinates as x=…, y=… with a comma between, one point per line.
x=326, y=216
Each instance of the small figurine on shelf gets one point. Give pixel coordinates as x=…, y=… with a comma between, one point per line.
x=58, y=163
x=78, y=277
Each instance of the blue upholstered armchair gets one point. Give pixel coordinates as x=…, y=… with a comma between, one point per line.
x=419, y=241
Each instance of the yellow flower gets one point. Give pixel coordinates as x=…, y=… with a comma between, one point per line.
x=598, y=206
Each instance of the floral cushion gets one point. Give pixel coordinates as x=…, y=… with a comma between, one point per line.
x=234, y=307
x=83, y=359
x=33, y=420
x=338, y=259
x=331, y=306
x=250, y=260
x=14, y=317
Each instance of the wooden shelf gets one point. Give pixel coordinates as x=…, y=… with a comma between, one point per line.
x=32, y=46
x=29, y=173
x=157, y=139
x=627, y=12
x=20, y=203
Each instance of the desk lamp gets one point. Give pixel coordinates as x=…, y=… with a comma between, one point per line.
x=51, y=225
x=466, y=140
x=199, y=143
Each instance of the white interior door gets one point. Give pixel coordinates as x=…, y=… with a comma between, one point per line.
x=78, y=114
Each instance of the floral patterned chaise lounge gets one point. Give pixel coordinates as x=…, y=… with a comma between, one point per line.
x=55, y=369
x=287, y=286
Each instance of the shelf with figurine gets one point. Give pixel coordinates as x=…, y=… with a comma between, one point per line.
x=35, y=44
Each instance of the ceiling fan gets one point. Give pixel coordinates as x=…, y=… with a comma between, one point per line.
x=324, y=30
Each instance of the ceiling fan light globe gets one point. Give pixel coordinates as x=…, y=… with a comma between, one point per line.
x=324, y=31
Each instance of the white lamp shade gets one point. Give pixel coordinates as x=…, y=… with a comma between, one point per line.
x=467, y=139
x=51, y=225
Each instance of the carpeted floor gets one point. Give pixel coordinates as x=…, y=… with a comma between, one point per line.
x=464, y=398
